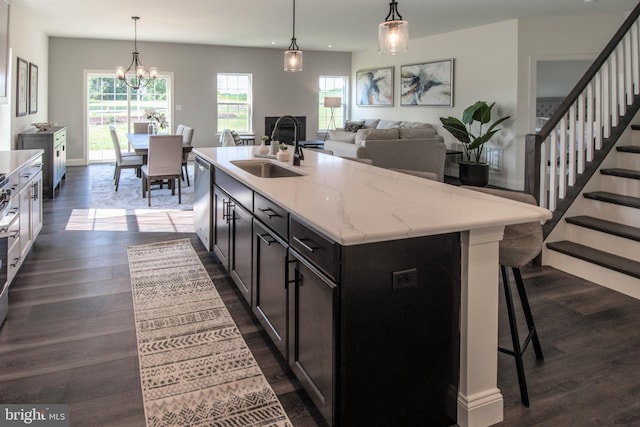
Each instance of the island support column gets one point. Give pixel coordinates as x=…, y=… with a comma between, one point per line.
x=480, y=402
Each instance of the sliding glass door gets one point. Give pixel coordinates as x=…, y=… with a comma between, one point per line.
x=111, y=102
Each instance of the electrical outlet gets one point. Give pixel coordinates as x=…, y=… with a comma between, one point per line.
x=405, y=278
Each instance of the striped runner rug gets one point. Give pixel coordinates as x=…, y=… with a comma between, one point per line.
x=195, y=367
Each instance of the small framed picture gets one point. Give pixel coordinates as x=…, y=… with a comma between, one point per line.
x=427, y=83
x=33, y=88
x=374, y=87
x=22, y=88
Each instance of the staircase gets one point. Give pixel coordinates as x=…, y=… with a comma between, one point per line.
x=599, y=236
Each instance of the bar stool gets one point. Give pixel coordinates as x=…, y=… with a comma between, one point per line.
x=520, y=245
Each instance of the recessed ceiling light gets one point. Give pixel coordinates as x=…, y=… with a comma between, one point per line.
x=330, y=45
x=273, y=42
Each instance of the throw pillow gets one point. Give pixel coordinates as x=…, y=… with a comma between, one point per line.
x=371, y=123
x=388, y=124
x=236, y=137
x=342, y=136
x=353, y=126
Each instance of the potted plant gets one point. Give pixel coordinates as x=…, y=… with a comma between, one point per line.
x=283, y=154
x=472, y=170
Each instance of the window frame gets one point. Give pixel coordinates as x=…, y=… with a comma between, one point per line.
x=324, y=113
x=225, y=123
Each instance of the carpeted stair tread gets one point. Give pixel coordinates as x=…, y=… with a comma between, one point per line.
x=618, y=199
x=629, y=149
x=609, y=227
x=595, y=256
x=623, y=173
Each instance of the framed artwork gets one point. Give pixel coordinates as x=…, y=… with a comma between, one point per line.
x=22, y=90
x=374, y=87
x=33, y=88
x=428, y=83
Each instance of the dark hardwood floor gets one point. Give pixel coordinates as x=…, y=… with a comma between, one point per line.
x=69, y=337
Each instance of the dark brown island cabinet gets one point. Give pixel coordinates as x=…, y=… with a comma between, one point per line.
x=54, y=143
x=371, y=330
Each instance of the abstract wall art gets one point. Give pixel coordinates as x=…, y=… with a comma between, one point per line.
x=428, y=83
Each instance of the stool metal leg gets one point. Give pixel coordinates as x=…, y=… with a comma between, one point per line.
x=515, y=339
x=527, y=314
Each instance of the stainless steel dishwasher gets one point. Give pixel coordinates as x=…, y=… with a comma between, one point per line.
x=202, y=192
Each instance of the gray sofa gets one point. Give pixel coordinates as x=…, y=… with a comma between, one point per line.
x=391, y=144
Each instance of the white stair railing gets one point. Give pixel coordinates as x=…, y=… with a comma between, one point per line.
x=573, y=135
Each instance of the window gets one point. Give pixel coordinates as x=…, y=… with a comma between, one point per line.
x=235, y=102
x=111, y=102
x=331, y=86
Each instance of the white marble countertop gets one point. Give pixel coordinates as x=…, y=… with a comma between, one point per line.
x=11, y=161
x=355, y=203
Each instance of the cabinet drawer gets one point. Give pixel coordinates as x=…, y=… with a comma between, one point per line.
x=322, y=252
x=60, y=136
x=240, y=192
x=271, y=214
x=13, y=261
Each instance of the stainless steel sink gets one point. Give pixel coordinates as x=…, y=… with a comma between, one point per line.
x=265, y=169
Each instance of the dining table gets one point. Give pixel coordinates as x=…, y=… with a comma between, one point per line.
x=140, y=144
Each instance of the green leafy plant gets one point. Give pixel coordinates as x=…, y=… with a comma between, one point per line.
x=463, y=131
x=283, y=147
x=265, y=138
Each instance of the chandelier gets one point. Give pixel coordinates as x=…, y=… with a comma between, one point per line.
x=393, y=33
x=142, y=76
x=293, y=55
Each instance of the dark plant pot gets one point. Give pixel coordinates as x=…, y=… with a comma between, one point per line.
x=474, y=174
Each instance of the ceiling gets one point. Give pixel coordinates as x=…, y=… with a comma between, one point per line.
x=345, y=25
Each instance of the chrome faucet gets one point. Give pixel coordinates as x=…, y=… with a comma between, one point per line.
x=297, y=151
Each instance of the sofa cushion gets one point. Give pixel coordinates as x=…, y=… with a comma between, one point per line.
x=388, y=124
x=375, y=134
x=415, y=125
x=342, y=136
x=371, y=123
x=417, y=133
x=353, y=126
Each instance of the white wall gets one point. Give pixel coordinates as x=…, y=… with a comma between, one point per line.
x=28, y=42
x=485, y=69
x=194, y=68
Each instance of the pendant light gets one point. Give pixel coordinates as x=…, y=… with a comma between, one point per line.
x=293, y=55
x=393, y=33
x=141, y=73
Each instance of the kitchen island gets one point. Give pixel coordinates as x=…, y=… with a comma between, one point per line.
x=385, y=297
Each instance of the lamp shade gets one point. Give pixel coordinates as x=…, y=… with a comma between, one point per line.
x=393, y=37
x=332, y=101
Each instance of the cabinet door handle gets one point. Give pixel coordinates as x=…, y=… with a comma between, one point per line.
x=15, y=262
x=264, y=236
x=15, y=234
x=226, y=209
x=270, y=213
x=303, y=244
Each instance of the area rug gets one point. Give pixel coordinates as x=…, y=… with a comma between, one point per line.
x=129, y=194
x=195, y=367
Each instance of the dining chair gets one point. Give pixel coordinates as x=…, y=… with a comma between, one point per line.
x=141, y=127
x=187, y=137
x=179, y=129
x=164, y=161
x=123, y=160
x=226, y=138
x=520, y=244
